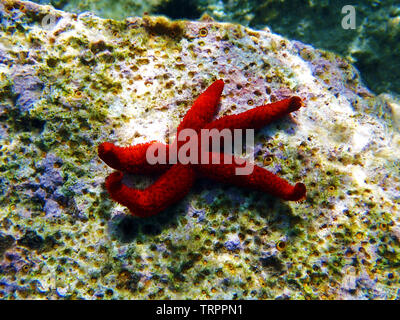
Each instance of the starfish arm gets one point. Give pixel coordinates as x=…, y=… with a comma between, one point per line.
x=131, y=159
x=204, y=108
x=172, y=186
x=260, y=178
x=257, y=117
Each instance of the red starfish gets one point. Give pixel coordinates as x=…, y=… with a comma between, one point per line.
x=177, y=179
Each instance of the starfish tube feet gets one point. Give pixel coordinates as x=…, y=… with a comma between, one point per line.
x=171, y=187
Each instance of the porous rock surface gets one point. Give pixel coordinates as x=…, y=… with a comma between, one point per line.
x=70, y=82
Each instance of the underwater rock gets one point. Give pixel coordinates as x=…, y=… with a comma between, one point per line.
x=93, y=80
x=271, y=261
x=4, y=57
x=40, y=194
x=200, y=214
x=373, y=45
x=51, y=208
x=27, y=88
x=6, y=242
x=31, y=240
x=232, y=244
x=50, y=178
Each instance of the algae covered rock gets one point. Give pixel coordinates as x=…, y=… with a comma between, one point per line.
x=373, y=45
x=70, y=82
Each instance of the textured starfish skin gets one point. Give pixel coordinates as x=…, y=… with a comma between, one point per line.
x=173, y=185
x=177, y=179
x=257, y=117
x=131, y=159
x=259, y=179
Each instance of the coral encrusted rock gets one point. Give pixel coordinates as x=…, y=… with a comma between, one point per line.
x=69, y=82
